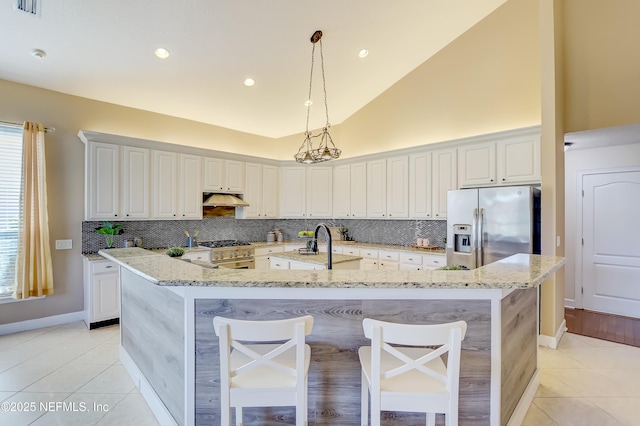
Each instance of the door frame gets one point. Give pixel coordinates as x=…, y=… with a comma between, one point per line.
x=578, y=298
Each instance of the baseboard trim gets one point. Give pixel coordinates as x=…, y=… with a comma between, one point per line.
x=16, y=327
x=570, y=303
x=150, y=396
x=553, y=341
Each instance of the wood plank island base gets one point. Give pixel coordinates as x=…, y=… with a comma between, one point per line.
x=169, y=347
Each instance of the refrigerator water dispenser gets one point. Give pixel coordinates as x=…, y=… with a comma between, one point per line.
x=462, y=238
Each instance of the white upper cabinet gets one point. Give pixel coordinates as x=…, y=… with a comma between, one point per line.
x=306, y=191
x=420, y=185
x=223, y=175
x=293, y=186
x=102, y=190
x=189, y=186
x=519, y=160
x=444, y=179
x=398, y=187
x=136, y=188
x=260, y=192
x=377, y=189
x=165, y=185
x=503, y=162
x=388, y=188
x=477, y=164
x=319, y=192
x=350, y=191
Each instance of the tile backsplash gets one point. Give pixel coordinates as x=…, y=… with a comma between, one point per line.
x=168, y=233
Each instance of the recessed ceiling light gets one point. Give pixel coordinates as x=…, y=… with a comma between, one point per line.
x=249, y=82
x=162, y=53
x=308, y=102
x=38, y=53
x=363, y=53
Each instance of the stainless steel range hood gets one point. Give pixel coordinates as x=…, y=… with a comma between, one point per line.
x=223, y=200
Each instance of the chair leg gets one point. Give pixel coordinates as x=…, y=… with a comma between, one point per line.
x=300, y=406
x=239, y=416
x=364, y=401
x=431, y=419
x=225, y=410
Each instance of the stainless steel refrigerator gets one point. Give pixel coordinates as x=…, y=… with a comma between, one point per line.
x=489, y=224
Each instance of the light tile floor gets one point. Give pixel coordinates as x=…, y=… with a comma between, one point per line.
x=586, y=382
x=68, y=375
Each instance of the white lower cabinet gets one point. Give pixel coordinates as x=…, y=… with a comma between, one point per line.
x=101, y=291
x=389, y=260
x=410, y=262
x=433, y=261
x=201, y=255
x=262, y=256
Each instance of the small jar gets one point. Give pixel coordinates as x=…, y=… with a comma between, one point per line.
x=280, y=236
x=271, y=237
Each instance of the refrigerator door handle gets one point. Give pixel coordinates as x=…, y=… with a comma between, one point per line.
x=481, y=238
x=474, y=235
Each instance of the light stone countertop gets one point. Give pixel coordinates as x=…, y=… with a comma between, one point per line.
x=407, y=249
x=317, y=259
x=517, y=271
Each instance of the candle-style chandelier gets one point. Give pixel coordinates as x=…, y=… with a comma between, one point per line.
x=326, y=150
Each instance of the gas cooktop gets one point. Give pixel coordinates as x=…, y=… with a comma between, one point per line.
x=223, y=243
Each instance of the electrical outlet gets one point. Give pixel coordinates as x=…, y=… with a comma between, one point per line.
x=557, y=240
x=63, y=244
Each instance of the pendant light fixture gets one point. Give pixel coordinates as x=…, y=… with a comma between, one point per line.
x=326, y=150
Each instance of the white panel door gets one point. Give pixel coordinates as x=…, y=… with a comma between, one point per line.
x=611, y=252
x=359, y=190
x=253, y=191
x=270, y=191
x=342, y=191
x=103, y=191
x=398, y=187
x=420, y=185
x=444, y=179
x=189, y=187
x=319, y=190
x=293, y=188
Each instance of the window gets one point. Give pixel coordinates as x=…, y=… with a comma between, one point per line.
x=10, y=178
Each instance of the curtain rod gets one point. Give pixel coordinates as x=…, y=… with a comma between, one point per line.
x=46, y=129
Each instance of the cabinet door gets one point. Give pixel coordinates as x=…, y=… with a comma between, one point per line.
x=189, y=189
x=105, y=301
x=292, y=192
x=420, y=185
x=253, y=191
x=234, y=174
x=477, y=165
x=165, y=185
x=369, y=264
x=270, y=192
x=319, y=199
x=444, y=179
x=377, y=189
x=214, y=175
x=398, y=187
x=135, y=183
x=102, y=190
x=359, y=190
x=519, y=160
x=342, y=191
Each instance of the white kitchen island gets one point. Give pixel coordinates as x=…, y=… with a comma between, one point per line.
x=168, y=344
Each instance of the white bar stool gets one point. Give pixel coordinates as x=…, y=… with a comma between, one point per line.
x=263, y=374
x=411, y=377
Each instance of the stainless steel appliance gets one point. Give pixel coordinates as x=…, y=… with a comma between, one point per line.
x=489, y=224
x=231, y=254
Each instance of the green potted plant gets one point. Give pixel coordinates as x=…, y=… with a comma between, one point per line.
x=109, y=231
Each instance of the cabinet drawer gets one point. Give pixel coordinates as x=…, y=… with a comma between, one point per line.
x=279, y=264
x=410, y=267
x=337, y=250
x=264, y=251
x=352, y=251
x=411, y=258
x=389, y=255
x=434, y=261
x=369, y=254
x=204, y=255
x=101, y=267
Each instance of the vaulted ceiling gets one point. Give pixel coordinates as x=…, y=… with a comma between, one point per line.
x=104, y=50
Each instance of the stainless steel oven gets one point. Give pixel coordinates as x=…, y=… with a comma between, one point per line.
x=231, y=254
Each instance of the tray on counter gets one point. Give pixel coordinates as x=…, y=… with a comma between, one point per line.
x=425, y=247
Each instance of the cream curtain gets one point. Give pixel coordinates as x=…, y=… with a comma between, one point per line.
x=34, y=270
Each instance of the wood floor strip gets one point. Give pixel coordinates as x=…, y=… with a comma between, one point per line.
x=603, y=326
